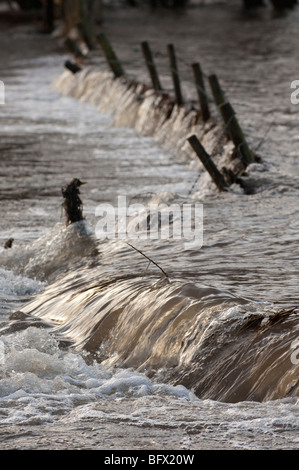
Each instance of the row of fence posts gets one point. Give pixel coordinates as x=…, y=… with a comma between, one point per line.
x=232, y=127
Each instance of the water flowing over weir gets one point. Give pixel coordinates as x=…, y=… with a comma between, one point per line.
x=222, y=347
x=150, y=114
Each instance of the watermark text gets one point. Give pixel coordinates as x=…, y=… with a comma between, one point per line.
x=153, y=222
x=295, y=353
x=295, y=94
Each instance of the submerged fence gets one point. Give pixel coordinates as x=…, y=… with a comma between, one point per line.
x=232, y=130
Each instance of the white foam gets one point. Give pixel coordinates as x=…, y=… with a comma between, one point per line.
x=58, y=247
x=14, y=284
x=35, y=375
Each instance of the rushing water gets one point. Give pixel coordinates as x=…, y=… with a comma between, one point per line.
x=98, y=350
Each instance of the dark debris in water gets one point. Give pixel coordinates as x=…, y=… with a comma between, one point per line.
x=8, y=243
x=21, y=321
x=280, y=316
x=254, y=321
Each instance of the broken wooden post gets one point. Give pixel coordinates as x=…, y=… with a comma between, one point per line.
x=218, y=94
x=151, y=66
x=110, y=55
x=208, y=163
x=74, y=68
x=201, y=92
x=72, y=202
x=236, y=133
x=87, y=13
x=175, y=74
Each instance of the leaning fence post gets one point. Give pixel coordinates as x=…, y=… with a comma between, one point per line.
x=230, y=121
x=110, y=55
x=175, y=74
x=86, y=21
x=151, y=65
x=201, y=92
x=236, y=133
x=218, y=94
x=208, y=163
x=86, y=33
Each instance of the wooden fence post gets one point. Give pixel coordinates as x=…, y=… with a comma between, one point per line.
x=230, y=121
x=175, y=74
x=218, y=94
x=236, y=133
x=151, y=66
x=201, y=92
x=208, y=163
x=73, y=48
x=87, y=21
x=110, y=55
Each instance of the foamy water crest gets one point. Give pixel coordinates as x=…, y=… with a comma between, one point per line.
x=50, y=253
x=19, y=285
x=39, y=381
